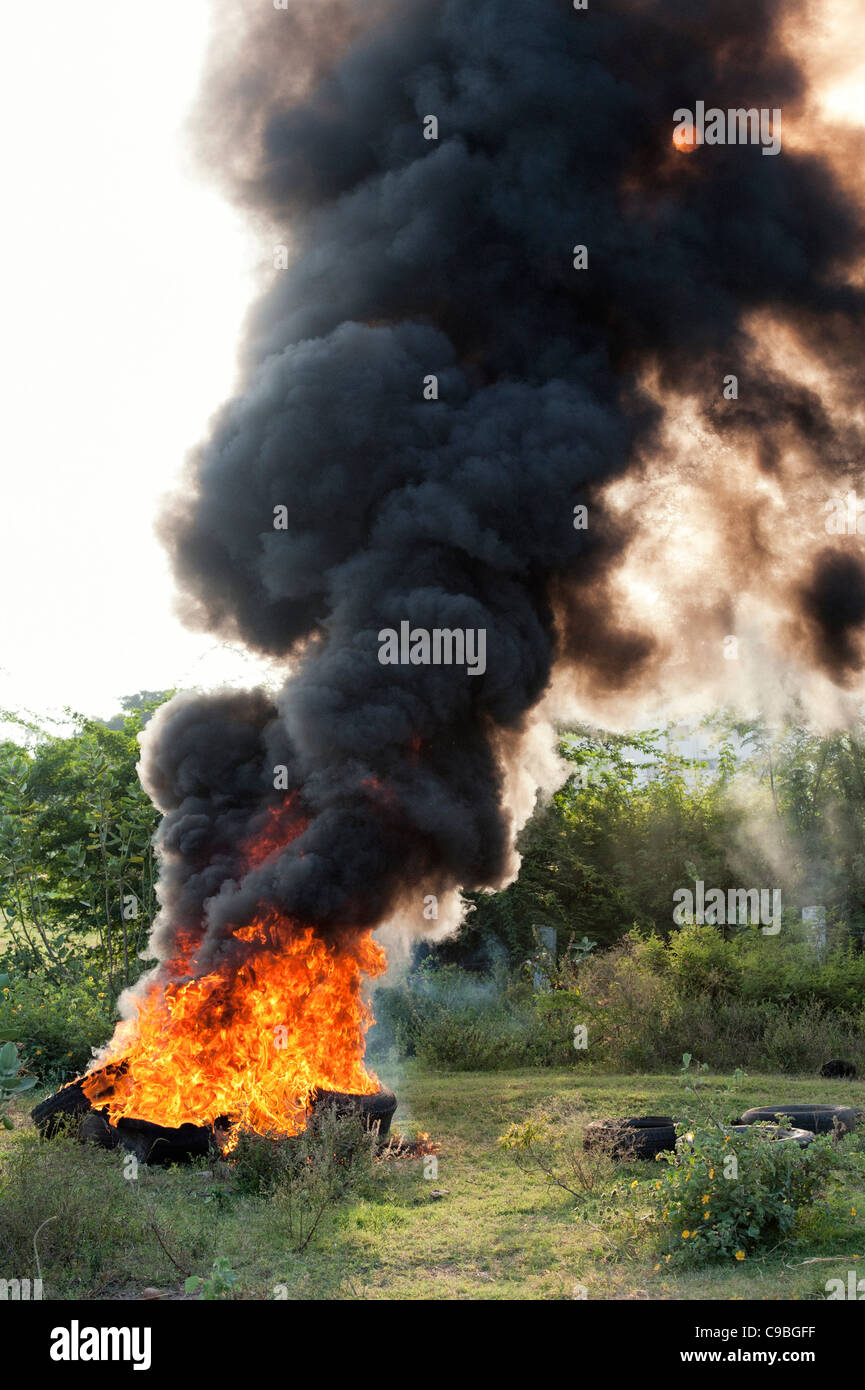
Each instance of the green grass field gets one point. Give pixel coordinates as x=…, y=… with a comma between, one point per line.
x=480, y=1229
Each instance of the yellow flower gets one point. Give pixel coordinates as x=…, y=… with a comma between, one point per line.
x=706, y=1215
x=667, y=1258
x=706, y=1198
x=634, y=1184
x=852, y=1211
x=711, y=1172
x=690, y=1138
x=657, y=1267
x=740, y=1254
x=685, y=1235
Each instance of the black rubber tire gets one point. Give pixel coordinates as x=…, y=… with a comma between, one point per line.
x=377, y=1109
x=819, y=1119
x=70, y=1108
x=93, y=1128
x=632, y=1137
x=60, y=1111
x=801, y=1137
x=156, y=1145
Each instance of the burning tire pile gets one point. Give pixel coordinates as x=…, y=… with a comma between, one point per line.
x=70, y=1110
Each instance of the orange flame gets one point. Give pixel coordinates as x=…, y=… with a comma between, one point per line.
x=251, y=1041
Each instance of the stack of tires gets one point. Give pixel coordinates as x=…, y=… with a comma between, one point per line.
x=645, y=1136
x=641, y=1136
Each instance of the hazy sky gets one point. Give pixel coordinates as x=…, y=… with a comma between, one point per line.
x=124, y=280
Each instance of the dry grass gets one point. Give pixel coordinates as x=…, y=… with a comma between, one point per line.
x=477, y=1228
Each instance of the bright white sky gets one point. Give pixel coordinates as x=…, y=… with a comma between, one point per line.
x=123, y=281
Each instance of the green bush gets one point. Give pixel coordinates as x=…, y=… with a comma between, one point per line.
x=453, y=1020
x=263, y=1163
x=77, y=868
x=736, y=1003
x=723, y=1196
x=786, y=1038
x=751, y=1001
x=12, y=1084
x=309, y=1176
x=701, y=962
x=55, y=1026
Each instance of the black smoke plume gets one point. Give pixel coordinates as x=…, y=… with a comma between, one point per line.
x=454, y=257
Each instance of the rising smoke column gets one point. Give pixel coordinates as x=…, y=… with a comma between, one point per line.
x=454, y=257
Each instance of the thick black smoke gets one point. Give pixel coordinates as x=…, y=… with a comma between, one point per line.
x=454, y=257
x=833, y=602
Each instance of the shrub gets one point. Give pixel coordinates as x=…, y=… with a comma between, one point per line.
x=330, y=1161
x=627, y=1006
x=56, y=1026
x=701, y=962
x=451, y=1019
x=752, y=1001
x=549, y=1143
x=11, y=1082
x=473, y=1039
x=722, y=1196
x=261, y=1162
x=217, y=1285
x=552, y=1032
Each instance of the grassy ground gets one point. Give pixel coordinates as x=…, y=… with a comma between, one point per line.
x=480, y=1229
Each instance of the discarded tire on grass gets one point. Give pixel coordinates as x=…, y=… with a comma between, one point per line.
x=800, y=1137
x=376, y=1110
x=819, y=1119
x=641, y=1136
